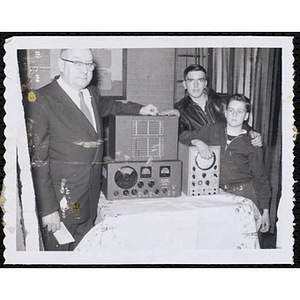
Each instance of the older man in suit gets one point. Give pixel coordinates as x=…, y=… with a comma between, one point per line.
x=64, y=121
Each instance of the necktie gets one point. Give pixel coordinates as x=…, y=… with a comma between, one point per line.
x=84, y=108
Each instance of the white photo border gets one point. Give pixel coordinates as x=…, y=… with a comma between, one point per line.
x=16, y=144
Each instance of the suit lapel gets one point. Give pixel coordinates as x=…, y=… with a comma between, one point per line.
x=98, y=122
x=70, y=110
x=96, y=112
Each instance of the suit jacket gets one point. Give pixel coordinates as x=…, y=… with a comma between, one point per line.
x=66, y=152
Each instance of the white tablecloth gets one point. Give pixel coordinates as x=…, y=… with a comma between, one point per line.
x=222, y=221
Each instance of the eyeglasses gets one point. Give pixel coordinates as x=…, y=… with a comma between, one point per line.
x=79, y=64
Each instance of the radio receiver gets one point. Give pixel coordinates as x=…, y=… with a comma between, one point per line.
x=199, y=176
x=141, y=179
x=140, y=138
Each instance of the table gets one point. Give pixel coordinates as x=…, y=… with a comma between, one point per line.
x=222, y=221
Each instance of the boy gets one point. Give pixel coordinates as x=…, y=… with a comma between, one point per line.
x=242, y=170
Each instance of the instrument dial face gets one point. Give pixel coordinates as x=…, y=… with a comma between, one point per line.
x=205, y=164
x=126, y=177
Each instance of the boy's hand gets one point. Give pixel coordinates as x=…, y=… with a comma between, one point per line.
x=265, y=221
x=204, y=150
x=256, y=138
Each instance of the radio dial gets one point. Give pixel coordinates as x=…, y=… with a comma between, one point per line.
x=126, y=177
x=165, y=190
x=134, y=192
x=140, y=184
x=126, y=193
x=116, y=193
x=151, y=183
x=156, y=191
x=146, y=192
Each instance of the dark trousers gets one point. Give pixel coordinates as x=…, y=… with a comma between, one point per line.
x=245, y=190
x=78, y=231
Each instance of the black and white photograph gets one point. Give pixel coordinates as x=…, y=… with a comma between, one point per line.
x=124, y=150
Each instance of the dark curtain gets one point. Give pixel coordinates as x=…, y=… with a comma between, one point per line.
x=267, y=118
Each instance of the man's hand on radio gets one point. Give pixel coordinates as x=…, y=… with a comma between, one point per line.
x=170, y=112
x=204, y=150
x=149, y=109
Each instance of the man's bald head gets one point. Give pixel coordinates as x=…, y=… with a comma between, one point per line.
x=65, y=53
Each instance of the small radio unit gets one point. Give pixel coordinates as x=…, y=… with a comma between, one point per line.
x=199, y=176
x=121, y=180
x=142, y=138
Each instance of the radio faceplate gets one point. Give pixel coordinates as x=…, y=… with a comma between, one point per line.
x=199, y=176
x=141, y=180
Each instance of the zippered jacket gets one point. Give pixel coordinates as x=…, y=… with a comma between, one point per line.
x=241, y=162
x=193, y=117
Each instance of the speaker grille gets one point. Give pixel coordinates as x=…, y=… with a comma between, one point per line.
x=146, y=127
x=147, y=138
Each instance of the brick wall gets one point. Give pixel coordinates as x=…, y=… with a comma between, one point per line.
x=150, y=77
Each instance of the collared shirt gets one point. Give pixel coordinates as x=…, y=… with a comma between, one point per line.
x=73, y=94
